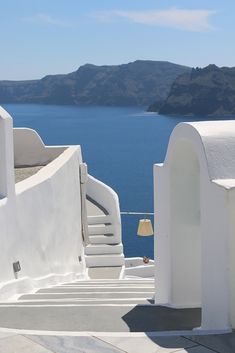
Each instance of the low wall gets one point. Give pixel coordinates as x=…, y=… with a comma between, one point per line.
x=29, y=149
x=41, y=225
x=40, y=217
x=135, y=267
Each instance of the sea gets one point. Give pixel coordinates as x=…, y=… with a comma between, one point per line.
x=120, y=146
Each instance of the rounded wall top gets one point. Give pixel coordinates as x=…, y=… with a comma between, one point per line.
x=213, y=143
x=4, y=114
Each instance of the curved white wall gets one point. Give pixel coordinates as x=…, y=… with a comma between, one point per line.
x=41, y=225
x=29, y=149
x=108, y=198
x=40, y=217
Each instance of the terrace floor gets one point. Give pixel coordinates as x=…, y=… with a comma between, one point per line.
x=26, y=172
x=26, y=343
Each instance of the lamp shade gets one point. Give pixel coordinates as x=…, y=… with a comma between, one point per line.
x=145, y=228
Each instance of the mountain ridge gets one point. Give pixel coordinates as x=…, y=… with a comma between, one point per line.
x=136, y=83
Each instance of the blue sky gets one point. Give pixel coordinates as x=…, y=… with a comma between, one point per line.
x=57, y=36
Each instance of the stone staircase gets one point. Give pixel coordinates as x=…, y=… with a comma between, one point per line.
x=99, y=305
x=105, y=247
x=92, y=292
x=106, y=291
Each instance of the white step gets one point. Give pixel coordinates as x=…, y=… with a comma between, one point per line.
x=111, y=282
x=104, y=260
x=100, y=229
x=100, y=249
x=103, y=239
x=78, y=301
x=89, y=295
x=99, y=219
x=67, y=289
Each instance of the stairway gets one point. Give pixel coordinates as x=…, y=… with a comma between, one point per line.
x=90, y=306
x=92, y=292
x=83, y=305
x=107, y=305
x=104, y=248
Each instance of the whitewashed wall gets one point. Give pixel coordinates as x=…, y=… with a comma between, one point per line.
x=29, y=149
x=40, y=217
x=230, y=251
x=194, y=222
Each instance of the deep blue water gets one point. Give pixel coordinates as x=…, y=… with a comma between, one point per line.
x=120, y=146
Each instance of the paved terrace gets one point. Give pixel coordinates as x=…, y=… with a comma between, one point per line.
x=26, y=172
x=24, y=343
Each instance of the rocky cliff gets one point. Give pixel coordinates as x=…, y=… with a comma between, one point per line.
x=207, y=91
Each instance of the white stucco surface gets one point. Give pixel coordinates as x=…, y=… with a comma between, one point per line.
x=108, y=198
x=194, y=208
x=6, y=155
x=40, y=217
x=29, y=149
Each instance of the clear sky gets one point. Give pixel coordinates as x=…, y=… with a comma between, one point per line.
x=40, y=37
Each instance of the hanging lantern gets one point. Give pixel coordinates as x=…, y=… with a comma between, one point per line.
x=145, y=228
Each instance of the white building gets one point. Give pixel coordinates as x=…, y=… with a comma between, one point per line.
x=56, y=221
x=61, y=234
x=195, y=222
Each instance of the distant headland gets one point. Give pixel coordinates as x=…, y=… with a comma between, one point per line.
x=208, y=91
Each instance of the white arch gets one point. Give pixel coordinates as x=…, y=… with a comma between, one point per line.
x=213, y=144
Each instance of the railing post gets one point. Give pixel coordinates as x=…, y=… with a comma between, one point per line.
x=83, y=182
x=7, y=177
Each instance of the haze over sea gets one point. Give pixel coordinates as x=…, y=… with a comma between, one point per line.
x=120, y=146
